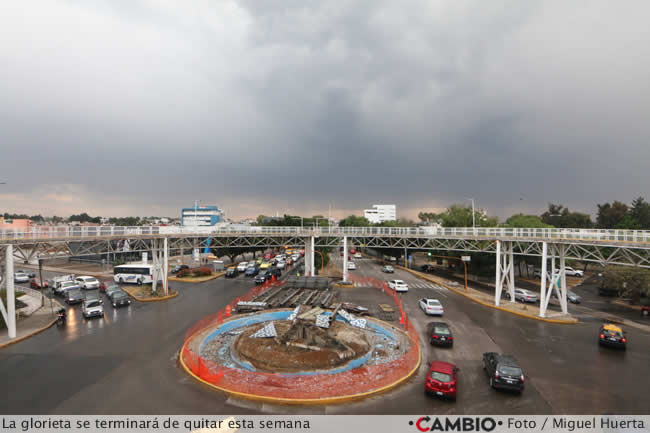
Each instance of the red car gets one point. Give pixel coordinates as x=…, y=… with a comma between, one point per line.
x=104, y=284
x=645, y=310
x=267, y=256
x=442, y=379
x=35, y=283
x=353, y=251
x=302, y=252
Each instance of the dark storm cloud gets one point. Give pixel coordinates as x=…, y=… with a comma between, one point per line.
x=142, y=107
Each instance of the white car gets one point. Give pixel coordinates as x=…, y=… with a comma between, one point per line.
x=570, y=272
x=280, y=264
x=398, y=285
x=21, y=277
x=87, y=283
x=241, y=267
x=431, y=306
x=352, y=266
x=64, y=286
x=358, y=255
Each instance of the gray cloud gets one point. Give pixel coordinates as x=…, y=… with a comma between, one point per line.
x=142, y=107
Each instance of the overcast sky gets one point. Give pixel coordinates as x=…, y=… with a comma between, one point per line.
x=140, y=107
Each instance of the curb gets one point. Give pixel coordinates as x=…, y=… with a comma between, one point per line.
x=196, y=280
x=141, y=299
x=347, y=286
x=478, y=301
x=304, y=401
x=25, y=337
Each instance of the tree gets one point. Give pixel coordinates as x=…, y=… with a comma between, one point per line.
x=354, y=221
x=640, y=212
x=610, y=216
x=429, y=217
x=559, y=216
x=461, y=216
x=526, y=221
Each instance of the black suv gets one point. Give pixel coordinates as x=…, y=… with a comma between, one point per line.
x=504, y=371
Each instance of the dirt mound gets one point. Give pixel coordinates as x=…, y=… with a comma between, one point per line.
x=267, y=354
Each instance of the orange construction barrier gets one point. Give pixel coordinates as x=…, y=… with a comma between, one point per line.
x=228, y=310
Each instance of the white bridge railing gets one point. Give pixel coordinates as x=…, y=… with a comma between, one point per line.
x=552, y=235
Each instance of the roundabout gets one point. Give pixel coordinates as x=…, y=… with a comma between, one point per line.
x=300, y=356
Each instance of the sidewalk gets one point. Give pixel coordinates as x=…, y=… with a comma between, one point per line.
x=78, y=269
x=38, y=321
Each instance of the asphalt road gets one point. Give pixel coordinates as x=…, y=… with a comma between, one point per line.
x=126, y=363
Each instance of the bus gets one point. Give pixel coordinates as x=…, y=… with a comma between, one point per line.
x=136, y=274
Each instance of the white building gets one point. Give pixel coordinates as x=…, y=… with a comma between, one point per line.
x=201, y=216
x=380, y=213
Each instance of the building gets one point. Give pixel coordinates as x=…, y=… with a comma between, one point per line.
x=201, y=216
x=22, y=224
x=380, y=213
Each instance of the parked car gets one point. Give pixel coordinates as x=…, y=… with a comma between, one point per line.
x=504, y=371
x=613, y=336
x=251, y=271
x=398, y=285
x=119, y=298
x=352, y=266
x=441, y=334
x=431, y=306
x=176, y=269
x=442, y=379
x=35, y=283
x=388, y=269
x=30, y=274
x=111, y=289
x=92, y=308
x=608, y=291
x=645, y=310
x=74, y=296
x=87, y=283
x=20, y=277
x=64, y=286
x=241, y=267
x=231, y=272
x=523, y=295
x=570, y=272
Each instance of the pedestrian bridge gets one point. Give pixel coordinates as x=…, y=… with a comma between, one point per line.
x=606, y=247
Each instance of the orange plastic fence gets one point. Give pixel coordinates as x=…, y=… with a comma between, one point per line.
x=317, y=386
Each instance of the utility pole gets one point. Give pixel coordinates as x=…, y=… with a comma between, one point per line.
x=473, y=216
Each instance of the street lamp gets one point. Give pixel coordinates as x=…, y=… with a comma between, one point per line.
x=473, y=217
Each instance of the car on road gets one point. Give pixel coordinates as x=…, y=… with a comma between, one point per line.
x=109, y=290
x=352, y=266
x=251, y=271
x=441, y=334
x=87, y=283
x=275, y=271
x=388, y=269
x=231, y=272
x=398, y=285
x=295, y=257
x=259, y=261
x=645, y=310
x=427, y=268
x=74, y=296
x=442, y=379
x=268, y=256
x=176, y=269
x=504, y=371
x=358, y=255
x=92, y=308
x=264, y=266
x=523, y=295
x=30, y=274
x=20, y=277
x=571, y=296
x=431, y=306
x=64, y=286
x=119, y=298
x=612, y=335
x=260, y=278
x=280, y=264
x=570, y=272
x=241, y=267
x=35, y=283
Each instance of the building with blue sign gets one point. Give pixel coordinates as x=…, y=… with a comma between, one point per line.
x=201, y=216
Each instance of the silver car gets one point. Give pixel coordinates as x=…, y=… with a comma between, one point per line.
x=92, y=308
x=88, y=283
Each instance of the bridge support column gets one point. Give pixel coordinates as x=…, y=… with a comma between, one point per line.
x=308, y=254
x=10, y=313
x=345, y=259
x=505, y=271
x=313, y=254
x=556, y=278
x=155, y=261
x=165, y=266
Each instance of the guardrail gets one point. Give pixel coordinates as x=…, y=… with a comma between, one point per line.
x=538, y=234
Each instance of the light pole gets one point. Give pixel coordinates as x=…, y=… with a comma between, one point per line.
x=473, y=216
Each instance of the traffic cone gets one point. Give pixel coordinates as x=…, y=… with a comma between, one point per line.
x=401, y=319
x=229, y=310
